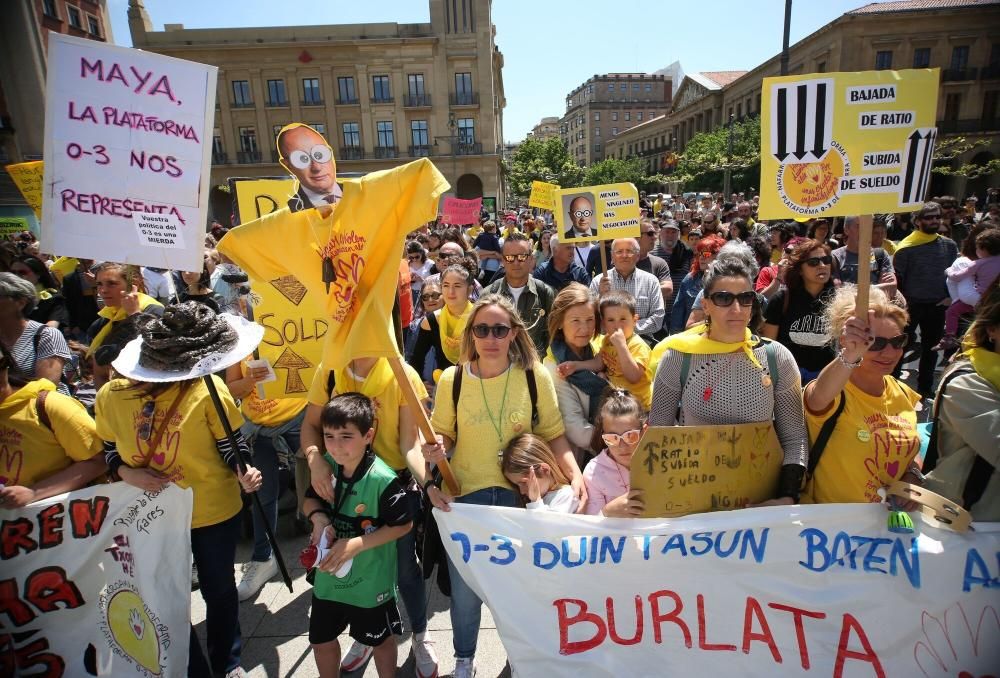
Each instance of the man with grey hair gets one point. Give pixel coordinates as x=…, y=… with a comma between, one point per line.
x=845, y=260
x=624, y=276
x=36, y=350
x=561, y=268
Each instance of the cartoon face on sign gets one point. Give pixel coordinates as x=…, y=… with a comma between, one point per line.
x=308, y=157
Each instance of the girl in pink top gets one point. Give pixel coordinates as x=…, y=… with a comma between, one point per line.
x=621, y=422
x=983, y=271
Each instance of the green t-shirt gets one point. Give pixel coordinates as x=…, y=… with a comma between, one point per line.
x=376, y=498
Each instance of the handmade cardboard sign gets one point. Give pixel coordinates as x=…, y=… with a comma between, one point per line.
x=541, y=195
x=459, y=212
x=28, y=178
x=597, y=212
x=693, y=469
x=836, y=144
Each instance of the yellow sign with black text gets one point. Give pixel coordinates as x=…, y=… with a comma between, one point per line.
x=28, y=177
x=597, y=212
x=541, y=194
x=836, y=144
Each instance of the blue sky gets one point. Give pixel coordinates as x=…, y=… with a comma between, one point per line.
x=549, y=46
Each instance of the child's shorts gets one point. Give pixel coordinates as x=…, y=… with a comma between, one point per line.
x=369, y=625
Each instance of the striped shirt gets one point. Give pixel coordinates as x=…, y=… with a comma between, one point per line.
x=25, y=355
x=645, y=287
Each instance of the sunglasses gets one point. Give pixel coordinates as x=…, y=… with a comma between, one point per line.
x=583, y=213
x=628, y=437
x=520, y=258
x=897, y=342
x=483, y=331
x=431, y=296
x=826, y=260
x=146, y=420
x=726, y=299
x=414, y=257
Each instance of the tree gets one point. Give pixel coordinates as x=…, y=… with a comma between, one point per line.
x=706, y=157
x=616, y=171
x=948, y=149
x=548, y=161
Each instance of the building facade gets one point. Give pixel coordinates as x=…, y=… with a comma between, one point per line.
x=547, y=128
x=958, y=36
x=607, y=105
x=382, y=94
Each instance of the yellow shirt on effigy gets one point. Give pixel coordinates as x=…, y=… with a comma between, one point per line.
x=476, y=457
x=187, y=452
x=387, y=397
x=31, y=452
x=873, y=443
x=640, y=351
x=269, y=412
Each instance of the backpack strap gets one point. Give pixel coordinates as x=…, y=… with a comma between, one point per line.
x=771, y=351
x=43, y=416
x=456, y=388
x=685, y=369
x=824, y=434
x=975, y=485
x=529, y=375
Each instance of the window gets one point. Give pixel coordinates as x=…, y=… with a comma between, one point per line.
x=276, y=93
x=821, y=67
x=94, y=26
x=611, y=87
x=652, y=114
x=74, y=17
x=614, y=116
x=960, y=57
x=590, y=89
x=380, y=89
x=418, y=133
x=352, y=137
x=922, y=57
x=952, y=103
x=386, y=139
x=597, y=131
x=597, y=116
x=415, y=84
x=739, y=111
x=995, y=55
x=614, y=131
x=649, y=87
x=466, y=131
x=990, y=106
x=630, y=149
x=241, y=94
x=345, y=91
x=319, y=127
x=628, y=116
x=463, y=83
x=623, y=86
x=883, y=60
x=638, y=116
x=217, y=142
x=597, y=148
x=49, y=8
x=248, y=139
x=310, y=91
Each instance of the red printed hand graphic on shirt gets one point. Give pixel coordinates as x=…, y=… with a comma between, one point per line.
x=957, y=645
x=348, y=275
x=10, y=465
x=892, y=452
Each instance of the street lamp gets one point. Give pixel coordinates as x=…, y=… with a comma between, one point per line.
x=729, y=158
x=452, y=139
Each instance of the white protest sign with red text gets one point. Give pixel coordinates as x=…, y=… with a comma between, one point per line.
x=126, y=132
x=791, y=590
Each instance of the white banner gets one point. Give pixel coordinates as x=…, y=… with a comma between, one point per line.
x=97, y=582
x=812, y=590
x=126, y=132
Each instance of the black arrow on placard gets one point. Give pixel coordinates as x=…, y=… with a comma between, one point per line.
x=818, y=147
x=911, y=166
x=782, y=125
x=802, y=94
x=924, y=167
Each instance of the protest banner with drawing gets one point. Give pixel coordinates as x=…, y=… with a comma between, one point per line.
x=28, y=177
x=127, y=133
x=805, y=590
x=596, y=212
x=97, y=582
x=459, y=212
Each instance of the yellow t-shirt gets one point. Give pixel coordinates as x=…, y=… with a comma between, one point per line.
x=476, y=458
x=874, y=441
x=187, y=451
x=29, y=451
x=643, y=390
x=269, y=411
x=386, y=396
x=473, y=231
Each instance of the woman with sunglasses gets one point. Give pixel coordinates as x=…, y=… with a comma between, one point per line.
x=442, y=330
x=874, y=439
x=705, y=252
x=431, y=300
x=796, y=316
x=492, y=405
x=729, y=377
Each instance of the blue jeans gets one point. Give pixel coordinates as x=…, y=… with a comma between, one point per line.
x=214, y=550
x=411, y=582
x=265, y=459
x=466, y=607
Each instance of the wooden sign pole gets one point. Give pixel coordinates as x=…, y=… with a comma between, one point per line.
x=864, y=266
x=604, y=258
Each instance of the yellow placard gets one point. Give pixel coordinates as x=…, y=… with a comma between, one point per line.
x=541, y=194
x=13, y=225
x=597, y=212
x=694, y=469
x=28, y=177
x=836, y=144
x=293, y=318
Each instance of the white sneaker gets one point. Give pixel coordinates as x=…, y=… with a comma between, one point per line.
x=255, y=576
x=424, y=656
x=465, y=668
x=356, y=657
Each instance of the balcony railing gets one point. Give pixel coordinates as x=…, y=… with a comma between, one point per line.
x=351, y=153
x=311, y=102
x=968, y=126
x=382, y=99
x=417, y=101
x=958, y=74
x=347, y=101
x=990, y=72
x=464, y=99
x=248, y=157
x=241, y=104
x=469, y=148
x=220, y=158
x=420, y=151
x=277, y=103
x=383, y=152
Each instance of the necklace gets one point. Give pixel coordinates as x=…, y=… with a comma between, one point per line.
x=498, y=422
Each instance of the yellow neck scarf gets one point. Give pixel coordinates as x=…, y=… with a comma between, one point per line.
x=373, y=385
x=696, y=341
x=915, y=238
x=987, y=364
x=114, y=315
x=451, y=328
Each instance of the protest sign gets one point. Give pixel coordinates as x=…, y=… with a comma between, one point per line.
x=458, y=212
x=806, y=590
x=541, y=195
x=97, y=582
x=835, y=144
x=693, y=469
x=597, y=212
x=12, y=225
x=490, y=205
x=292, y=316
x=28, y=178
x=126, y=132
